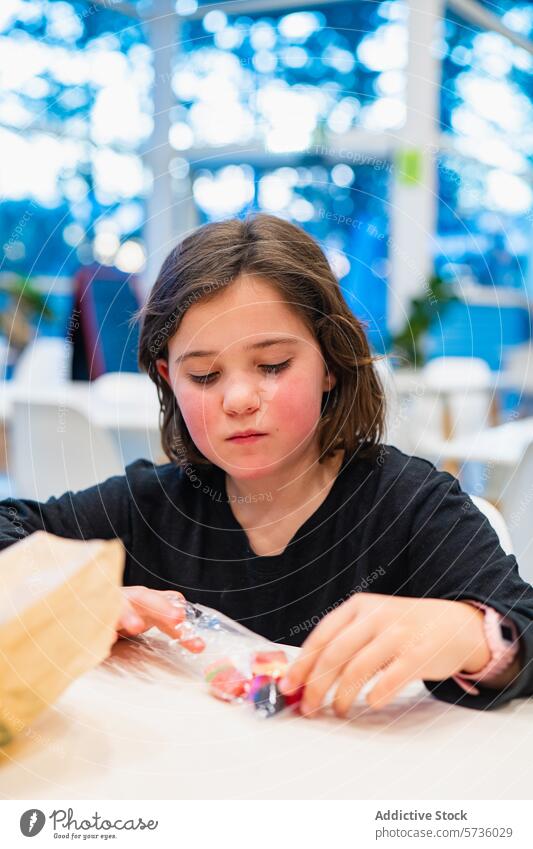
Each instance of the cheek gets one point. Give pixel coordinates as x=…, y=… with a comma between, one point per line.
x=297, y=405
x=198, y=410
x=290, y=406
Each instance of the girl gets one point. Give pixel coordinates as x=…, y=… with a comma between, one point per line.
x=281, y=506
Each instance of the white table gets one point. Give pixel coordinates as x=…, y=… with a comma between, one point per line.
x=133, y=422
x=503, y=445
x=410, y=381
x=132, y=414
x=139, y=728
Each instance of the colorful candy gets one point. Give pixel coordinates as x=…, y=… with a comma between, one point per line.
x=256, y=683
x=273, y=663
x=188, y=637
x=195, y=645
x=228, y=684
x=268, y=700
x=294, y=698
x=217, y=666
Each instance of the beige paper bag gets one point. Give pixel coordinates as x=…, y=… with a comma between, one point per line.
x=60, y=600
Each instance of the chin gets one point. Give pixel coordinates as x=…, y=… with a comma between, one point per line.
x=249, y=468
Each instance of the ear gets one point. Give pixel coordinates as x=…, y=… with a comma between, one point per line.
x=162, y=369
x=329, y=381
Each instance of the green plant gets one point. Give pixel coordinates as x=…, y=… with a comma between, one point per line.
x=423, y=310
x=24, y=304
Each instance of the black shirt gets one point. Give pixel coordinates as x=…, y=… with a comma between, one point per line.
x=392, y=524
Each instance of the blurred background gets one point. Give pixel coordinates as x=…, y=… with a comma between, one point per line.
x=398, y=133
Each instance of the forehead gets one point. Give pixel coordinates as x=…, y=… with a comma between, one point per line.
x=248, y=307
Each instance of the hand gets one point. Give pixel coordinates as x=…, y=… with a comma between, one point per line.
x=405, y=638
x=145, y=608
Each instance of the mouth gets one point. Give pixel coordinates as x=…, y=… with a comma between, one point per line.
x=246, y=437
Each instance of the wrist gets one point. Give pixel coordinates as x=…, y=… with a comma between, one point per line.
x=478, y=651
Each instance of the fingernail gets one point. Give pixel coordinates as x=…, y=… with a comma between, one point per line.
x=178, y=614
x=133, y=621
x=194, y=645
x=285, y=685
x=177, y=602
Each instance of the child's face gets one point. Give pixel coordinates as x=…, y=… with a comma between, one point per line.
x=243, y=391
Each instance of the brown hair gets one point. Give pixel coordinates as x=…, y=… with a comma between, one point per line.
x=210, y=259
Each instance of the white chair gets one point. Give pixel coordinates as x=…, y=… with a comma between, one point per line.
x=453, y=398
x=126, y=387
x=399, y=402
x=506, y=453
x=130, y=401
x=384, y=372
x=497, y=521
x=517, y=373
x=4, y=354
x=515, y=500
x=54, y=448
x=43, y=365
x=46, y=361
x=459, y=397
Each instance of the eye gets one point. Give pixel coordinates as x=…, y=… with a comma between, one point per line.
x=202, y=378
x=276, y=367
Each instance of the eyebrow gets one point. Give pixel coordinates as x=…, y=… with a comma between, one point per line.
x=266, y=343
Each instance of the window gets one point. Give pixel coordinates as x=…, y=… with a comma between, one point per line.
x=285, y=78
x=74, y=109
x=485, y=190
x=280, y=95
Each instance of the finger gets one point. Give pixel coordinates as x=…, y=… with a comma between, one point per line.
x=130, y=631
x=163, y=610
x=323, y=634
x=130, y=623
x=400, y=673
x=332, y=660
x=154, y=601
x=376, y=655
x=187, y=636
x=172, y=595
x=167, y=612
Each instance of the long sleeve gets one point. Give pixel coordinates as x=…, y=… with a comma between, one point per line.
x=99, y=512
x=455, y=554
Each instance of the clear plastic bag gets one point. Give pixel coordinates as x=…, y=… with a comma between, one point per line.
x=237, y=665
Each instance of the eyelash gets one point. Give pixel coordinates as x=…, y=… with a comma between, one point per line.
x=275, y=368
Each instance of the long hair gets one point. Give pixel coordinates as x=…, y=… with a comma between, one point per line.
x=211, y=259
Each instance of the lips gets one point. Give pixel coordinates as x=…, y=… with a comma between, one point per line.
x=246, y=433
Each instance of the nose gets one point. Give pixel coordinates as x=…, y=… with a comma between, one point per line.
x=240, y=397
